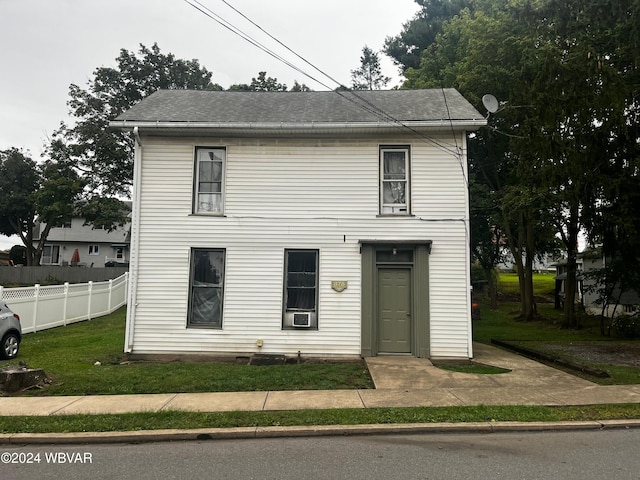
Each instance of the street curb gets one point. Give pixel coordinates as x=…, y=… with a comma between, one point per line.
x=147, y=436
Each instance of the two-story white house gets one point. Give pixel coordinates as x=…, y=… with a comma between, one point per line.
x=319, y=223
x=95, y=247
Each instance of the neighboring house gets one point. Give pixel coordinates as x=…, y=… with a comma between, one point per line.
x=96, y=247
x=627, y=303
x=561, y=277
x=5, y=259
x=544, y=264
x=300, y=223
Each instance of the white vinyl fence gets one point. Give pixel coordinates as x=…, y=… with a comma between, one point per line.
x=57, y=305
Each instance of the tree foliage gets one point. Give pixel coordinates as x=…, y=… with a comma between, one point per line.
x=35, y=195
x=260, y=84
x=406, y=48
x=369, y=76
x=104, y=156
x=567, y=77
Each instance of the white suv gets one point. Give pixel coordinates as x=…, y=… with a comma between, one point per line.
x=10, y=332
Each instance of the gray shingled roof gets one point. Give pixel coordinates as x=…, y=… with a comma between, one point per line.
x=265, y=108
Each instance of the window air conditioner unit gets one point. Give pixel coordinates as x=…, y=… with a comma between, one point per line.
x=301, y=319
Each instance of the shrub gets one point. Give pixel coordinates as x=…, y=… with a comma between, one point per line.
x=627, y=326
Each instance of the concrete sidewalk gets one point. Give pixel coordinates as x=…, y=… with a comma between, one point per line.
x=401, y=381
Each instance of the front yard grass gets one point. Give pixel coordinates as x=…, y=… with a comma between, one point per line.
x=547, y=336
x=192, y=420
x=543, y=284
x=87, y=359
x=69, y=355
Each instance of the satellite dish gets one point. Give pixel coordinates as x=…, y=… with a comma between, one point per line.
x=490, y=103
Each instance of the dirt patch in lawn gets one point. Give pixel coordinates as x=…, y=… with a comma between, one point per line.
x=625, y=354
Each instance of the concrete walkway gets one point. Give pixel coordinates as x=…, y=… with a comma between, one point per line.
x=400, y=381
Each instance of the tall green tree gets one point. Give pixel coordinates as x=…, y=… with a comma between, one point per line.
x=417, y=34
x=34, y=195
x=477, y=53
x=580, y=101
x=558, y=68
x=614, y=222
x=103, y=156
x=486, y=237
x=369, y=76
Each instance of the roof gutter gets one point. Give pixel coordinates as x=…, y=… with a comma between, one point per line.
x=316, y=126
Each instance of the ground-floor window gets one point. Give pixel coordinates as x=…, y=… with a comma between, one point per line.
x=301, y=289
x=50, y=255
x=206, y=288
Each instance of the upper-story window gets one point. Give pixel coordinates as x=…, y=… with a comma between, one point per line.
x=394, y=181
x=209, y=181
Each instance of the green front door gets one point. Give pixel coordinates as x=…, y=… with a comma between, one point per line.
x=394, y=310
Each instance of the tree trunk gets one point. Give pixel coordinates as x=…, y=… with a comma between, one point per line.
x=570, y=317
x=492, y=287
x=515, y=247
x=531, y=310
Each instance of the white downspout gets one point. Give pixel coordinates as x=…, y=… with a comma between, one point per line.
x=467, y=231
x=132, y=300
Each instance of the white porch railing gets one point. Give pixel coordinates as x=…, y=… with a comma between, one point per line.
x=57, y=305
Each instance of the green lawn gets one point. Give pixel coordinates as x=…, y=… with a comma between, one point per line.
x=546, y=334
x=543, y=284
x=184, y=420
x=69, y=355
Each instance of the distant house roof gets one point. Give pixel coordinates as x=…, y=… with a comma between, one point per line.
x=196, y=109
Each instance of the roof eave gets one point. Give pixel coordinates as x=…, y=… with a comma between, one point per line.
x=256, y=127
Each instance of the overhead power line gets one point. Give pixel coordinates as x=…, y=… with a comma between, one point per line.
x=348, y=94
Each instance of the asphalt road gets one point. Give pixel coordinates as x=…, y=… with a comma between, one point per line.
x=586, y=455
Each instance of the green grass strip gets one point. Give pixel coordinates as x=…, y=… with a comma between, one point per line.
x=192, y=420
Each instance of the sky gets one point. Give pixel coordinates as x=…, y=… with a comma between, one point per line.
x=48, y=45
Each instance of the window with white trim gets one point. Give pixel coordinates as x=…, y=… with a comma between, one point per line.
x=94, y=249
x=209, y=181
x=206, y=288
x=394, y=181
x=300, y=289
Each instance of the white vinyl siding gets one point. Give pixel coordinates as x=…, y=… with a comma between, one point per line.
x=284, y=194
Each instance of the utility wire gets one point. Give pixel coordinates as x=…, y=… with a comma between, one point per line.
x=363, y=102
x=455, y=138
x=229, y=26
